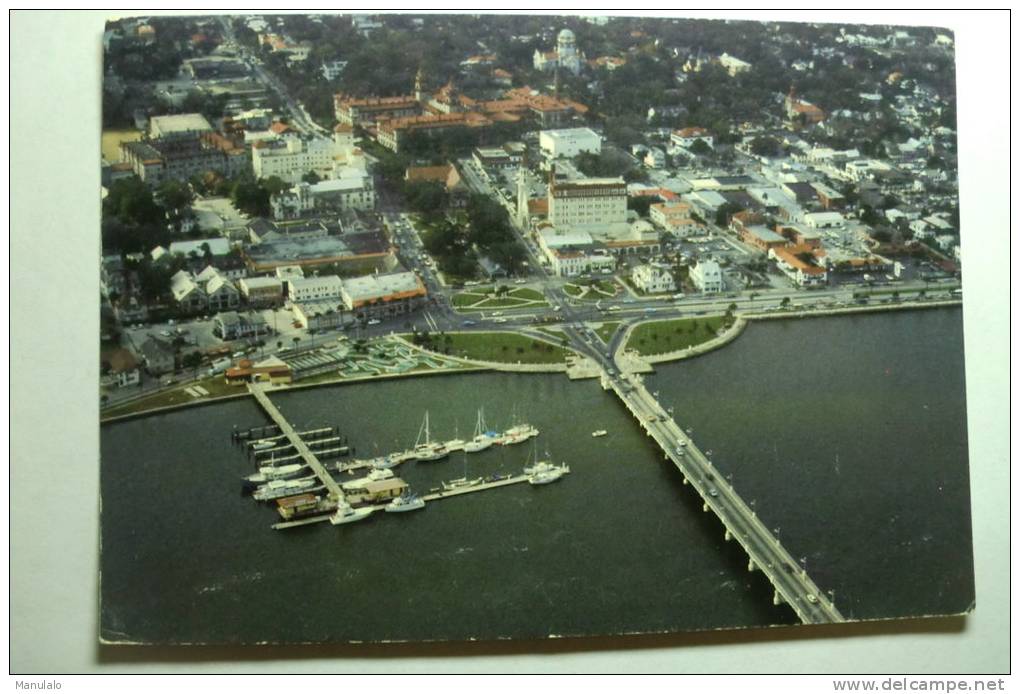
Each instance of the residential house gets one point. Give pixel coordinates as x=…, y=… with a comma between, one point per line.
x=653, y=279
x=707, y=277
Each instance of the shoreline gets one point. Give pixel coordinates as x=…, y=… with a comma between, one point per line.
x=473, y=366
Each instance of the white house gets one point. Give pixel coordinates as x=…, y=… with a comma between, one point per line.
x=655, y=158
x=653, y=279
x=707, y=276
x=686, y=137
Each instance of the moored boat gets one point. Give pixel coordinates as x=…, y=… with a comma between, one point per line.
x=405, y=502
x=345, y=513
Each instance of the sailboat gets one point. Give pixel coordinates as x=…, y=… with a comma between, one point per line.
x=424, y=448
x=483, y=438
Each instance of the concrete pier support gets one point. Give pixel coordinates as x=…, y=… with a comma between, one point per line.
x=750, y=565
x=686, y=482
x=704, y=507
x=727, y=535
x=777, y=599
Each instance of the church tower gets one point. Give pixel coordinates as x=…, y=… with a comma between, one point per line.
x=419, y=79
x=522, y=199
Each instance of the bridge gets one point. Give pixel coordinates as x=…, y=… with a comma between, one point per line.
x=791, y=583
x=295, y=439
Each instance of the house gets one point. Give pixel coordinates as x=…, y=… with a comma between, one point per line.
x=190, y=297
x=157, y=355
x=272, y=370
x=707, y=276
x=655, y=158
x=220, y=292
x=653, y=279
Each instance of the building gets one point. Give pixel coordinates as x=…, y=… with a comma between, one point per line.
x=565, y=57
x=220, y=292
x=184, y=156
x=348, y=247
x=320, y=315
x=761, y=237
x=655, y=158
x=307, y=289
x=271, y=370
x=188, y=294
x=674, y=217
x=333, y=69
x=261, y=291
x=231, y=325
x=800, y=264
x=733, y=65
x=569, y=143
x=353, y=191
x=185, y=125
x=587, y=202
x=572, y=252
x=707, y=276
x=823, y=220
x=653, y=279
x=509, y=156
x=293, y=157
x=383, y=295
x=799, y=109
x=198, y=247
x=829, y=198
x=685, y=137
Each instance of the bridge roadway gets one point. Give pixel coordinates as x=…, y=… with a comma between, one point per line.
x=792, y=584
x=295, y=439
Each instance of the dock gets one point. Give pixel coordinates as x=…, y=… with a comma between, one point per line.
x=435, y=496
x=300, y=446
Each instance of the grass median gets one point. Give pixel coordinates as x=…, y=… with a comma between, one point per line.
x=657, y=337
x=509, y=348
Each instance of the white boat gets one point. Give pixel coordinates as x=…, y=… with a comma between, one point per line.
x=345, y=513
x=424, y=448
x=407, y=502
x=455, y=445
x=462, y=482
x=375, y=475
x=550, y=474
x=385, y=462
x=275, y=489
x=598, y=432
x=517, y=434
x=262, y=445
x=270, y=472
x=538, y=466
x=482, y=439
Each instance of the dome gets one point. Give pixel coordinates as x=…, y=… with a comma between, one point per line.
x=565, y=36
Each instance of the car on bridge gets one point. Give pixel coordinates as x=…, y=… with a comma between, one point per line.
x=713, y=492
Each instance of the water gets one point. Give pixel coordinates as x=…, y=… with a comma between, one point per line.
x=619, y=545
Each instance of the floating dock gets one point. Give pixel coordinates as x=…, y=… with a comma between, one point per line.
x=433, y=496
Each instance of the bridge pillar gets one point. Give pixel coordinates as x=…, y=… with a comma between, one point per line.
x=750, y=565
x=704, y=507
x=727, y=536
x=777, y=599
x=686, y=482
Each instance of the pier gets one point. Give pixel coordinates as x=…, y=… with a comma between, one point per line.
x=790, y=582
x=296, y=441
x=433, y=496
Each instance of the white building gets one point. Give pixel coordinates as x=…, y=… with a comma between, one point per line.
x=218, y=246
x=187, y=293
x=333, y=69
x=823, y=220
x=588, y=202
x=314, y=288
x=355, y=190
x=293, y=157
x=707, y=276
x=566, y=55
x=688, y=136
x=655, y=158
x=569, y=142
x=395, y=292
x=733, y=65
x=653, y=279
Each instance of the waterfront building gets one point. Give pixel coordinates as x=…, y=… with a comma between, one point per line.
x=707, y=276
x=313, y=288
x=653, y=278
x=801, y=264
x=383, y=295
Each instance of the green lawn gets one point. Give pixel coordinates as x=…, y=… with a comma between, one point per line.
x=666, y=336
x=606, y=330
x=216, y=386
x=483, y=298
x=592, y=290
x=502, y=347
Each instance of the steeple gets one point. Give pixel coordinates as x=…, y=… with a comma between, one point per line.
x=418, y=80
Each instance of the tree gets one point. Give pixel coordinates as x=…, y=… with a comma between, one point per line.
x=131, y=201
x=765, y=146
x=251, y=198
x=700, y=148
x=640, y=204
x=311, y=177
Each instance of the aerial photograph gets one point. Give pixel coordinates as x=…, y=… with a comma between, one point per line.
x=452, y=327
